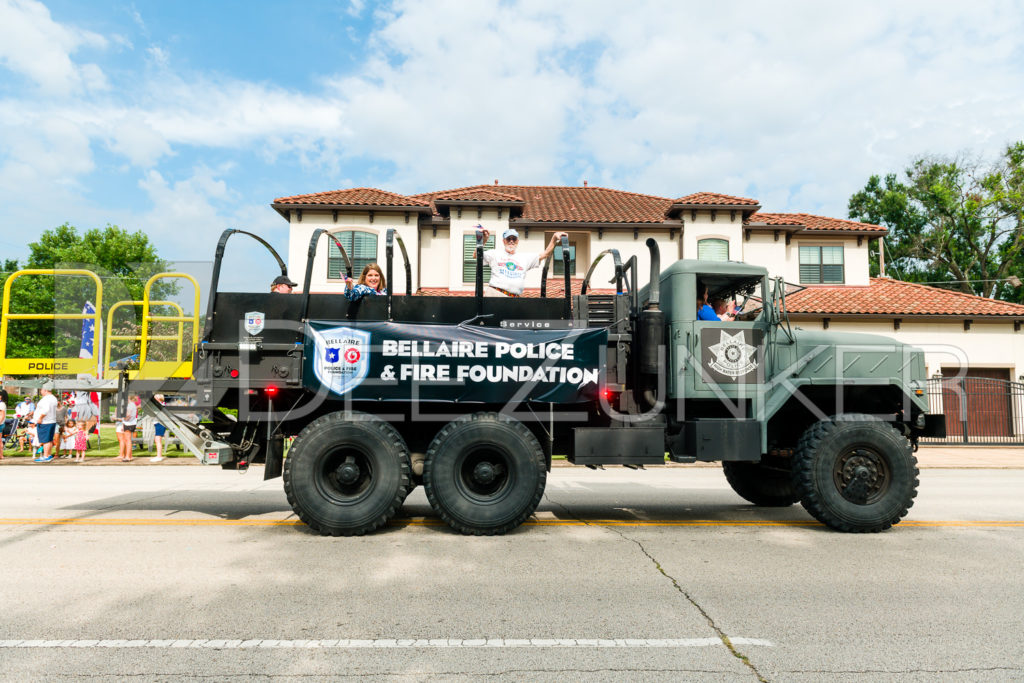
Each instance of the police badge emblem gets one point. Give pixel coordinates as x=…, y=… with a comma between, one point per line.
x=734, y=357
x=254, y=323
x=342, y=357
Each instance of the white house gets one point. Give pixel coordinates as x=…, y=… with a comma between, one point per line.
x=827, y=256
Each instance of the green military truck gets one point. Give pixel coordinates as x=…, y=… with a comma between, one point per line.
x=471, y=396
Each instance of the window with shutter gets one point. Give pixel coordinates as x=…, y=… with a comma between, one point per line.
x=469, y=263
x=361, y=248
x=713, y=250
x=821, y=265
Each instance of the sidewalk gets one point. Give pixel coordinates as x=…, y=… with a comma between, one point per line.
x=992, y=457
x=928, y=457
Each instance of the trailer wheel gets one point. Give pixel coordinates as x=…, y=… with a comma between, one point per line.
x=855, y=473
x=761, y=485
x=346, y=473
x=484, y=474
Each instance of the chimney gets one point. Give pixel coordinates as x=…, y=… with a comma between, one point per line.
x=495, y=181
x=584, y=183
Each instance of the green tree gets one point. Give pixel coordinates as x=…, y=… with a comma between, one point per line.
x=123, y=260
x=952, y=219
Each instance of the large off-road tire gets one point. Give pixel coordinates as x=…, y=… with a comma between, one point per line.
x=855, y=473
x=761, y=485
x=346, y=473
x=484, y=474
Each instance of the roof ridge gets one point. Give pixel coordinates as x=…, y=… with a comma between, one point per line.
x=452, y=193
x=718, y=194
x=546, y=187
x=344, y=191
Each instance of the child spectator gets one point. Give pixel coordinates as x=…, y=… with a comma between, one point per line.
x=22, y=432
x=76, y=435
x=158, y=434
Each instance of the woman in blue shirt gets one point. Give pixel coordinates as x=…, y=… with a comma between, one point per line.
x=371, y=282
x=704, y=310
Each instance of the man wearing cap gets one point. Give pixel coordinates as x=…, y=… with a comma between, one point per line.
x=509, y=268
x=282, y=285
x=45, y=420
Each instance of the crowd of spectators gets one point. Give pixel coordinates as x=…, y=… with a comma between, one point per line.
x=60, y=426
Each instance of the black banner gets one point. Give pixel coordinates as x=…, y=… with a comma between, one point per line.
x=402, y=362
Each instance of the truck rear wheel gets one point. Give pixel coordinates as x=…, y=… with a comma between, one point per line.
x=484, y=474
x=346, y=473
x=761, y=485
x=855, y=473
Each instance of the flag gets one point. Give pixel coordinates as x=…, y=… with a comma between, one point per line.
x=88, y=331
x=88, y=348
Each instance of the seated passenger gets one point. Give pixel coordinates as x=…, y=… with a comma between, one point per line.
x=723, y=309
x=704, y=310
x=282, y=285
x=371, y=282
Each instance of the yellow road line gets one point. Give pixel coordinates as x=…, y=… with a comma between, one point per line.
x=423, y=521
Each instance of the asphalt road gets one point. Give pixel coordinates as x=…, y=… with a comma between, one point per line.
x=193, y=573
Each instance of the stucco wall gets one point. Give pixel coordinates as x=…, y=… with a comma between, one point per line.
x=723, y=227
x=985, y=345
x=301, y=231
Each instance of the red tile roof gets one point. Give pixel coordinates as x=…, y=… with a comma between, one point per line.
x=774, y=219
x=477, y=194
x=359, y=196
x=715, y=199
x=815, y=223
x=560, y=204
x=576, y=204
x=888, y=297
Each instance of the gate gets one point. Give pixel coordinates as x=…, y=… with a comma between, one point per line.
x=978, y=410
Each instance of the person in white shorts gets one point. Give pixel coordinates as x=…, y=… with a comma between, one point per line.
x=509, y=267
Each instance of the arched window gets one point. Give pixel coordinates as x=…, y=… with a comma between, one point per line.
x=361, y=247
x=713, y=250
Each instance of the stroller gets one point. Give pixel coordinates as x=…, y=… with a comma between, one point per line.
x=10, y=430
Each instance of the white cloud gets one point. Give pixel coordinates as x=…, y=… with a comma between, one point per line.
x=34, y=45
x=160, y=57
x=793, y=103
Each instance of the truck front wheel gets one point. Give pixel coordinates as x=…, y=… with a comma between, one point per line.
x=855, y=473
x=346, y=473
x=484, y=474
x=761, y=485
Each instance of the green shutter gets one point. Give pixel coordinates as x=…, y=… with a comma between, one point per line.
x=713, y=250
x=810, y=265
x=469, y=263
x=361, y=248
x=821, y=265
x=832, y=265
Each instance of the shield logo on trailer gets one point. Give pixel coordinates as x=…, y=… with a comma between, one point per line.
x=342, y=357
x=254, y=322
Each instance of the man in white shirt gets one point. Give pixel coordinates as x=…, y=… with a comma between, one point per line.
x=45, y=420
x=25, y=408
x=508, y=268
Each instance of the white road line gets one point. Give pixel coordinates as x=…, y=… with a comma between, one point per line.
x=390, y=643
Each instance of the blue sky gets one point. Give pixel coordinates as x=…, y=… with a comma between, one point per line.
x=185, y=118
